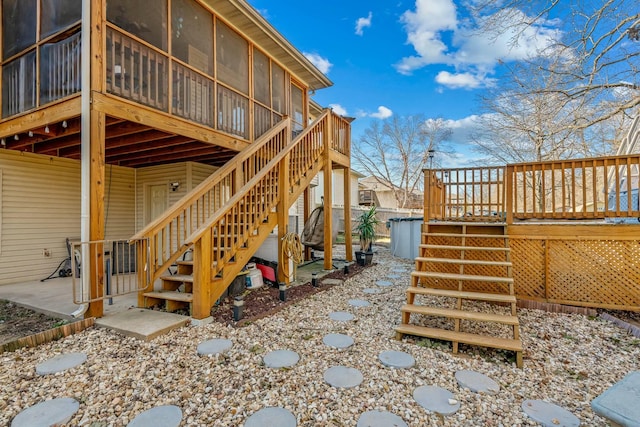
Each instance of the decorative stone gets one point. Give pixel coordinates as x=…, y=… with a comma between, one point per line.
x=384, y=283
x=214, y=346
x=60, y=363
x=281, y=359
x=436, y=399
x=343, y=377
x=47, y=413
x=477, y=382
x=359, y=303
x=160, y=416
x=271, y=416
x=342, y=316
x=380, y=419
x=372, y=291
x=396, y=359
x=549, y=414
x=338, y=340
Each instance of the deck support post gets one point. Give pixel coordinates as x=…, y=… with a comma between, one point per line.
x=284, y=275
x=305, y=216
x=348, y=241
x=201, y=306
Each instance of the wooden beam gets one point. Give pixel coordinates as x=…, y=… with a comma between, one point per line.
x=305, y=215
x=348, y=244
x=328, y=202
x=55, y=113
x=201, y=308
x=284, y=274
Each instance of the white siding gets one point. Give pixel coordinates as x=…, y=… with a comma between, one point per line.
x=41, y=208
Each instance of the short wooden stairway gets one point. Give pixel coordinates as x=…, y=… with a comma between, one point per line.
x=469, y=267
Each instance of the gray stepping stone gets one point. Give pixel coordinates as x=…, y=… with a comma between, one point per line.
x=359, y=303
x=619, y=403
x=214, y=346
x=436, y=399
x=47, y=413
x=399, y=270
x=549, y=414
x=380, y=419
x=338, y=340
x=394, y=276
x=281, y=359
x=342, y=316
x=272, y=416
x=372, y=291
x=384, y=283
x=477, y=382
x=396, y=359
x=160, y=416
x=60, y=363
x=343, y=377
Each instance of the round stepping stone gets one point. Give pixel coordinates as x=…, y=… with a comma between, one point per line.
x=343, y=377
x=160, y=416
x=380, y=419
x=477, y=382
x=271, y=416
x=60, y=363
x=342, y=316
x=214, y=346
x=281, y=359
x=393, y=276
x=396, y=359
x=548, y=414
x=372, y=291
x=359, y=303
x=47, y=413
x=436, y=399
x=384, y=283
x=398, y=270
x=338, y=340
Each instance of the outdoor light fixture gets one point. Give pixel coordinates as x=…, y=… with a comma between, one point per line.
x=64, y=124
x=16, y=137
x=174, y=185
x=30, y=134
x=3, y=142
x=431, y=153
x=46, y=129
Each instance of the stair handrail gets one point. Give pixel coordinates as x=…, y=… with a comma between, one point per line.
x=196, y=235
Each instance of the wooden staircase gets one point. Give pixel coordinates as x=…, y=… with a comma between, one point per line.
x=226, y=218
x=469, y=267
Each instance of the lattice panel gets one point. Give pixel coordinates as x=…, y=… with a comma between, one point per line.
x=595, y=271
x=527, y=258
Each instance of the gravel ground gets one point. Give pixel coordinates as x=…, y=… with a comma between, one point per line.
x=569, y=360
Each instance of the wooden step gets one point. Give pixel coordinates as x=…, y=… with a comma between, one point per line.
x=478, y=296
x=460, y=314
x=464, y=277
x=465, y=248
x=170, y=295
x=178, y=278
x=484, y=236
x=464, y=261
x=463, y=337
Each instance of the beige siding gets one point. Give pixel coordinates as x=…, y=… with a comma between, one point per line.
x=158, y=175
x=41, y=208
x=198, y=173
x=119, y=202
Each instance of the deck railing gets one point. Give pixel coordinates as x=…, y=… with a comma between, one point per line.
x=192, y=95
x=584, y=189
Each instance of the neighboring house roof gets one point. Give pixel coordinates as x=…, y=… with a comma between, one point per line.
x=245, y=18
x=380, y=184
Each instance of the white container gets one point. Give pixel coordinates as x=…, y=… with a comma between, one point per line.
x=254, y=276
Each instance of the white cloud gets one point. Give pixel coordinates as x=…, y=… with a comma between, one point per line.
x=321, y=63
x=440, y=37
x=338, y=109
x=362, y=23
x=383, y=113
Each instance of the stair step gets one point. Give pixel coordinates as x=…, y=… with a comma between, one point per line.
x=484, y=236
x=464, y=261
x=478, y=296
x=465, y=248
x=170, y=295
x=460, y=314
x=466, y=277
x=463, y=337
x=178, y=278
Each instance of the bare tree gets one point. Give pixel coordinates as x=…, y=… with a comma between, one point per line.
x=595, y=60
x=396, y=150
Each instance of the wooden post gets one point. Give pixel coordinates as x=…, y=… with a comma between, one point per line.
x=305, y=216
x=348, y=244
x=284, y=275
x=201, y=305
x=96, y=201
x=328, y=190
x=509, y=176
x=427, y=194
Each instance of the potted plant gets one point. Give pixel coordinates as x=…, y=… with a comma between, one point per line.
x=366, y=229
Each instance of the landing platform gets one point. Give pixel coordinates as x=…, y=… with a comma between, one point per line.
x=142, y=323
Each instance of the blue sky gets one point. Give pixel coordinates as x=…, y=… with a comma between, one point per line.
x=400, y=58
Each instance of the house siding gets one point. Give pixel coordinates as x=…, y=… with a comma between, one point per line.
x=41, y=208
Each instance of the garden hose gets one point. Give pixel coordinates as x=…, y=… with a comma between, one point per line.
x=293, y=250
